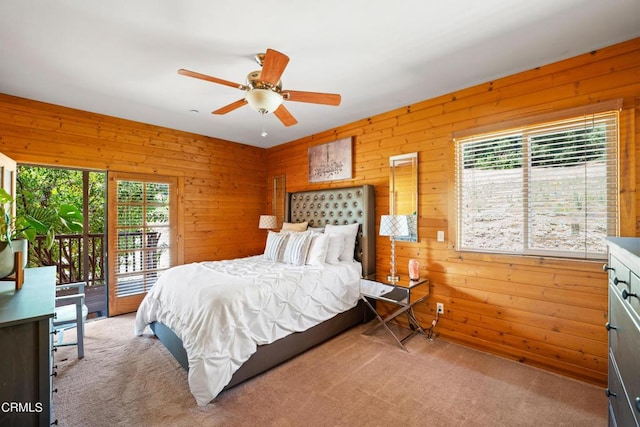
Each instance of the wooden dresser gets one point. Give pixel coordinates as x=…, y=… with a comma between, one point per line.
x=624, y=331
x=25, y=349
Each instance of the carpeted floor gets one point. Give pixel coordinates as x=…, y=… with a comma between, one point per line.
x=352, y=380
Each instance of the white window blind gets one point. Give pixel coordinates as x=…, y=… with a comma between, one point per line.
x=545, y=189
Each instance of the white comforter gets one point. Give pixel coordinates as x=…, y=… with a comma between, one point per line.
x=223, y=310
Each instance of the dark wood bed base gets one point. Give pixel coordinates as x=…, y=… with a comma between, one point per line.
x=318, y=207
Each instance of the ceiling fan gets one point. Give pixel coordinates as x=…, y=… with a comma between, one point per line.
x=264, y=91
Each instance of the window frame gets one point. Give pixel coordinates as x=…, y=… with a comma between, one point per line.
x=528, y=128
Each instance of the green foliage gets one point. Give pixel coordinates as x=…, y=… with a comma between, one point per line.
x=569, y=148
x=495, y=154
x=37, y=221
x=12, y=228
x=61, y=190
x=552, y=149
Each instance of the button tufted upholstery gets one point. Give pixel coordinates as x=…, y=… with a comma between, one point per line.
x=340, y=206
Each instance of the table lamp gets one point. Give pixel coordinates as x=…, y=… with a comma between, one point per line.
x=393, y=226
x=268, y=222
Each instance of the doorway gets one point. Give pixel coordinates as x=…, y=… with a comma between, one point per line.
x=79, y=256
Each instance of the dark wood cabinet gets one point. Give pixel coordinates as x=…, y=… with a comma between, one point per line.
x=25, y=349
x=623, y=389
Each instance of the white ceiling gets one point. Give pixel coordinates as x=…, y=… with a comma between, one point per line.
x=120, y=57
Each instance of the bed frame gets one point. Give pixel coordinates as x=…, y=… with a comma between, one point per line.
x=318, y=207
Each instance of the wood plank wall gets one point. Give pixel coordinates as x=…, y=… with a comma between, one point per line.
x=222, y=183
x=541, y=311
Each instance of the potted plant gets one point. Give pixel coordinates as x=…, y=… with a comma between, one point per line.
x=16, y=231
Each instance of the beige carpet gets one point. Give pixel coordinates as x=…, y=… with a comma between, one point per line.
x=352, y=380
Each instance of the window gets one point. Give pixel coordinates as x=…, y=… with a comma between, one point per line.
x=546, y=189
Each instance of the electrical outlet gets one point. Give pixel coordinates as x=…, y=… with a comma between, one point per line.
x=440, y=308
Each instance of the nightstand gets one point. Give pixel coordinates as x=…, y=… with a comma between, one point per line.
x=400, y=295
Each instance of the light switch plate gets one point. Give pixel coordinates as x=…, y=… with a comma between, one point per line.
x=440, y=236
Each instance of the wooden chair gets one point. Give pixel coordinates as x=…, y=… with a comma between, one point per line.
x=71, y=312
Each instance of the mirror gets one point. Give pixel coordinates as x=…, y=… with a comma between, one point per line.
x=403, y=191
x=279, y=195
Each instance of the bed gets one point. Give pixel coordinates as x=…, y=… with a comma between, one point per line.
x=320, y=209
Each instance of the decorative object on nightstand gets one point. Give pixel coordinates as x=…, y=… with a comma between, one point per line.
x=414, y=269
x=393, y=226
x=268, y=222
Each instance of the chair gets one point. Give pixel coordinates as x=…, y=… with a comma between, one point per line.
x=71, y=312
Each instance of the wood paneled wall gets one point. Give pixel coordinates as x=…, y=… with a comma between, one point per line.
x=221, y=184
x=542, y=311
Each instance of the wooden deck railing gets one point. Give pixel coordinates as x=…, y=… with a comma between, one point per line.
x=76, y=257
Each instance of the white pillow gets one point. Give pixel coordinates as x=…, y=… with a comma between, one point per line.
x=318, y=249
x=336, y=245
x=275, y=245
x=349, y=233
x=297, y=248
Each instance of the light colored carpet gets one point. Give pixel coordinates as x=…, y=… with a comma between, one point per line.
x=352, y=380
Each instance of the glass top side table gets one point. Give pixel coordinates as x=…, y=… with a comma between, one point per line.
x=398, y=294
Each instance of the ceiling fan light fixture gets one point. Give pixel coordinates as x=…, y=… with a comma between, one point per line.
x=263, y=100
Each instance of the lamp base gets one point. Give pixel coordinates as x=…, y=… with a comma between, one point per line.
x=393, y=279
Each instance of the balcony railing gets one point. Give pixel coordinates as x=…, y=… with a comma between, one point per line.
x=76, y=259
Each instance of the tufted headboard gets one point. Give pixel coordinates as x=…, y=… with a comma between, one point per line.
x=340, y=206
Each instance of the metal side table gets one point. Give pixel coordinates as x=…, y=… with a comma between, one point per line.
x=400, y=295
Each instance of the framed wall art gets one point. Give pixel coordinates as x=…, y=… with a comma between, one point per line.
x=331, y=161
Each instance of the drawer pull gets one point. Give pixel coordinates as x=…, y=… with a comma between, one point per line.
x=626, y=294
x=609, y=327
x=616, y=281
x=609, y=393
x=606, y=268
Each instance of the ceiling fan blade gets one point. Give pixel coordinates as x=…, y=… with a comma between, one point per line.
x=312, y=97
x=273, y=66
x=228, y=108
x=285, y=116
x=210, y=79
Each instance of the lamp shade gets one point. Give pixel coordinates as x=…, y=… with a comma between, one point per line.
x=394, y=225
x=268, y=221
x=263, y=100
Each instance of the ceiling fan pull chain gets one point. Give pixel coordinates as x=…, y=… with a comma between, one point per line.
x=264, y=126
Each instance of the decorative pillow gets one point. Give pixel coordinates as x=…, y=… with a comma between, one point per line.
x=349, y=233
x=318, y=249
x=275, y=245
x=294, y=226
x=316, y=229
x=336, y=245
x=297, y=248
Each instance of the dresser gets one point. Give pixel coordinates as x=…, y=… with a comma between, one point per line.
x=624, y=331
x=25, y=349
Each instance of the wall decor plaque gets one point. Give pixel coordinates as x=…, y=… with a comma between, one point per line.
x=331, y=161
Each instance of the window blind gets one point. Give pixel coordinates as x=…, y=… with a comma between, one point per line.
x=541, y=189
